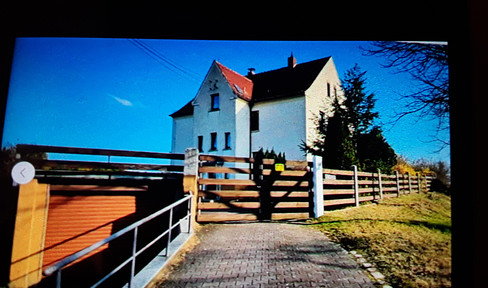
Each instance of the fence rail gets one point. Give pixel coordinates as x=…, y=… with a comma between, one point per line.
x=239, y=188
x=342, y=187
x=58, y=267
x=49, y=170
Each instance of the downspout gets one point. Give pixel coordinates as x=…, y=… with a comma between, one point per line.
x=251, y=104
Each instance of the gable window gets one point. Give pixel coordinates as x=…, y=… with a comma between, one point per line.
x=213, y=141
x=328, y=89
x=254, y=120
x=227, y=140
x=215, y=105
x=200, y=143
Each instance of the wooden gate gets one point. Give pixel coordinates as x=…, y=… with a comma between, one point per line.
x=239, y=189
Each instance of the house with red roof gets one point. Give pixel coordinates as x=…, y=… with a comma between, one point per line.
x=236, y=115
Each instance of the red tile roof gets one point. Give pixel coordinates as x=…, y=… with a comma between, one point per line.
x=241, y=85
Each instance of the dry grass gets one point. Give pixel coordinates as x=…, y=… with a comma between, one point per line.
x=407, y=238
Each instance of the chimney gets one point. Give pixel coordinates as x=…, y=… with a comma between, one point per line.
x=251, y=71
x=292, y=61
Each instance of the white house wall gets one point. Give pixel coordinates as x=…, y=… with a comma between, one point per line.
x=219, y=121
x=317, y=98
x=281, y=127
x=240, y=139
x=182, y=135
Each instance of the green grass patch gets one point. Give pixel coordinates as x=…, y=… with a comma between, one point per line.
x=407, y=238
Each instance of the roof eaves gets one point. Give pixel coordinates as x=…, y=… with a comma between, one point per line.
x=186, y=110
x=300, y=93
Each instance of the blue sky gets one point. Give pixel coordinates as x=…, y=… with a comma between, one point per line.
x=110, y=93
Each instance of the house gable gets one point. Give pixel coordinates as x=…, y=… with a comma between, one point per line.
x=215, y=110
x=320, y=97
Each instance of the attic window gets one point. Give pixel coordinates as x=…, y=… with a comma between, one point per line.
x=215, y=102
x=328, y=89
x=239, y=90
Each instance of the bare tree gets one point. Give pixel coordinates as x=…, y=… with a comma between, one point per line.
x=427, y=63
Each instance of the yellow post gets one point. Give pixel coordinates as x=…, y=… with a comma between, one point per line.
x=30, y=228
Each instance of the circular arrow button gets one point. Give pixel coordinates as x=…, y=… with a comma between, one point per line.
x=23, y=172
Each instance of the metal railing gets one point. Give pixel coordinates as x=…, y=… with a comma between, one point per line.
x=58, y=267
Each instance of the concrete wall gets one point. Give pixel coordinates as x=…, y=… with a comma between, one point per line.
x=281, y=127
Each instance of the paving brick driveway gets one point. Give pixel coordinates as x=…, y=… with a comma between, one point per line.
x=266, y=255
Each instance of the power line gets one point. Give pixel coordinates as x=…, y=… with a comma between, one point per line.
x=167, y=60
x=164, y=61
x=153, y=54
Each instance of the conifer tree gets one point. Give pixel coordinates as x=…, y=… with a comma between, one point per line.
x=333, y=142
x=349, y=137
x=374, y=152
x=359, y=104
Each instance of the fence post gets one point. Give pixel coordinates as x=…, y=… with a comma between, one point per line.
x=190, y=179
x=356, y=185
x=318, y=187
x=397, y=183
x=380, y=184
x=419, y=182
x=409, y=184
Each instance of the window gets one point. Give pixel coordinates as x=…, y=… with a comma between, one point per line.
x=213, y=141
x=227, y=140
x=328, y=89
x=254, y=120
x=200, y=143
x=215, y=102
x=335, y=91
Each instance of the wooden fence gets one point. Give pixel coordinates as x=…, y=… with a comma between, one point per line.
x=240, y=188
x=103, y=170
x=342, y=186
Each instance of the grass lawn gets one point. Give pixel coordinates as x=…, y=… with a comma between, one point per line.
x=407, y=238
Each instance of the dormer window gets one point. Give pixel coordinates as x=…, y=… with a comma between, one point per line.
x=215, y=103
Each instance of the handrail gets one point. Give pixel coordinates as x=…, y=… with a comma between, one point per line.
x=75, y=256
